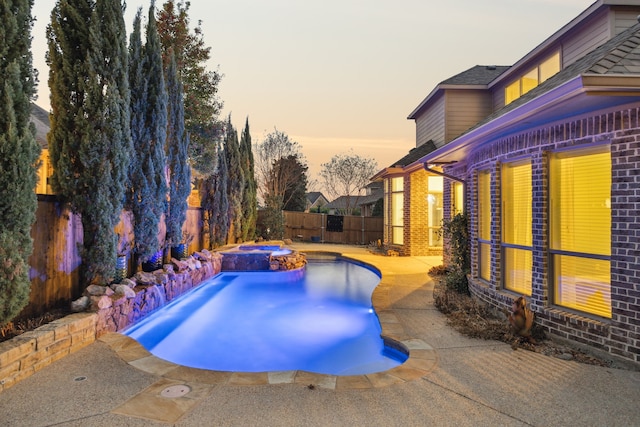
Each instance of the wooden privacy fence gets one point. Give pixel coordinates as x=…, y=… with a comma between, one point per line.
x=55, y=261
x=315, y=227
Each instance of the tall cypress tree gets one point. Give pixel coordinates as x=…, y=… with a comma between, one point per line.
x=68, y=47
x=215, y=203
x=236, y=182
x=19, y=155
x=91, y=142
x=178, y=157
x=106, y=147
x=249, y=195
x=200, y=86
x=147, y=191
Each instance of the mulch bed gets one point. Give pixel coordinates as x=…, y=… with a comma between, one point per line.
x=477, y=320
x=18, y=327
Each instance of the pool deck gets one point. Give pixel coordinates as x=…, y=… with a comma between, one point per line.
x=449, y=379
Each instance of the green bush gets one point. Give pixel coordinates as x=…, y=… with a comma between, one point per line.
x=456, y=231
x=14, y=278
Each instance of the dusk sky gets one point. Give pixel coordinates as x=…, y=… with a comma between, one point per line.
x=345, y=74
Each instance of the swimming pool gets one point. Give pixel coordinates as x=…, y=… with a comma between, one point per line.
x=318, y=319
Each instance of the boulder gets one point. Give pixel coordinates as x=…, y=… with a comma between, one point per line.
x=81, y=304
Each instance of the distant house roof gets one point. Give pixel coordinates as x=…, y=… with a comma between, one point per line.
x=313, y=196
x=372, y=198
x=40, y=118
x=339, y=203
x=480, y=76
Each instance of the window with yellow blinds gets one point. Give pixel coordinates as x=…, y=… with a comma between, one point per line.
x=516, y=195
x=397, y=211
x=580, y=229
x=458, y=198
x=484, y=224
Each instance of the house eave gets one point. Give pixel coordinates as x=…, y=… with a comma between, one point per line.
x=386, y=172
x=581, y=95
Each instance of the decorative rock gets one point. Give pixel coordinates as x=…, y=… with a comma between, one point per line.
x=168, y=268
x=145, y=278
x=94, y=290
x=124, y=290
x=99, y=303
x=180, y=265
x=161, y=277
x=198, y=264
x=128, y=282
x=81, y=304
x=97, y=290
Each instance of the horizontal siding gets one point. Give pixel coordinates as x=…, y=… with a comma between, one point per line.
x=430, y=124
x=624, y=18
x=592, y=35
x=464, y=109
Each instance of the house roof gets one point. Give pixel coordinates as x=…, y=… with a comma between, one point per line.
x=371, y=198
x=478, y=76
x=611, y=72
x=40, y=118
x=313, y=196
x=415, y=153
x=339, y=203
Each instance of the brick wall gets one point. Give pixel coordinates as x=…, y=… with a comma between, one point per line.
x=618, y=337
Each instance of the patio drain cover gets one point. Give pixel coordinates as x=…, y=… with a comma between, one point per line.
x=174, y=391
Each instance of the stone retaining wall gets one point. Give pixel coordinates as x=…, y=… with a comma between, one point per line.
x=110, y=309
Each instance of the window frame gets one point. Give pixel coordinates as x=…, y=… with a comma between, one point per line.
x=482, y=242
x=396, y=228
x=518, y=84
x=553, y=252
x=506, y=247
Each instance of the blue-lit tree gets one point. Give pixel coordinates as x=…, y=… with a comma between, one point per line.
x=20, y=153
x=147, y=190
x=178, y=158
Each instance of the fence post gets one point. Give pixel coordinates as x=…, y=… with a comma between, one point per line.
x=322, y=225
x=362, y=222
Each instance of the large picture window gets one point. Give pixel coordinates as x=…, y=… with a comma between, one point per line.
x=580, y=229
x=516, y=227
x=484, y=224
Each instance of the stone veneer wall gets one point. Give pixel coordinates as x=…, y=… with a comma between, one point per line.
x=112, y=311
x=619, y=336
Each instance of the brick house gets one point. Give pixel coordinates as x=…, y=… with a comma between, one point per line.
x=549, y=177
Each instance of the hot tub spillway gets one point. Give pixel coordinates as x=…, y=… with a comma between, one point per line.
x=262, y=258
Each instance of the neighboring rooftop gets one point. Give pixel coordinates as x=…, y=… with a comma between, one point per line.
x=40, y=118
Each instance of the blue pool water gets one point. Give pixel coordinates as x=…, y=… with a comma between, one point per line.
x=318, y=319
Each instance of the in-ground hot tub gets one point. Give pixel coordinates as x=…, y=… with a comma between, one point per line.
x=261, y=257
